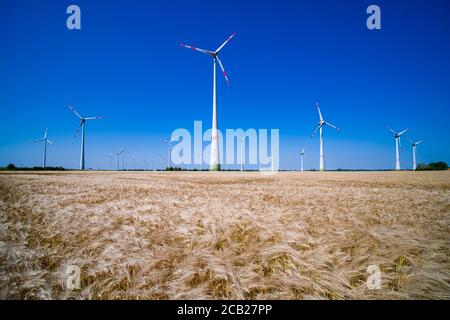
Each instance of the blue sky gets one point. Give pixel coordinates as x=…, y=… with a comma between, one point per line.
x=126, y=64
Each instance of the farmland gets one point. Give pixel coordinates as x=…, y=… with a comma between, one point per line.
x=225, y=235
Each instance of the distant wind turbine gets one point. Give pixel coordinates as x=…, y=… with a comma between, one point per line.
x=82, y=126
x=110, y=156
x=398, y=144
x=45, y=140
x=319, y=128
x=146, y=164
x=124, y=162
x=414, y=145
x=302, y=153
x=215, y=159
x=169, y=143
x=163, y=158
x=118, y=159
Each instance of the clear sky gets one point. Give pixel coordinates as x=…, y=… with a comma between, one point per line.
x=126, y=65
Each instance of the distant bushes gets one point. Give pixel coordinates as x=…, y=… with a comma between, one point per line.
x=174, y=169
x=432, y=166
x=12, y=167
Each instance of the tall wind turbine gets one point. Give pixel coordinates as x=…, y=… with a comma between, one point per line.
x=45, y=140
x=320, y=128
x=398, y=144
x=82, y=126
x=302, y=153
x=214, y=163
x=414, y=145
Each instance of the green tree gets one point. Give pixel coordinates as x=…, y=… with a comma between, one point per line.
x=438, y=165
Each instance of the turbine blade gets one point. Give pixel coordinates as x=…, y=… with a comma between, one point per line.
x=226, y=41
x=75, y=111
x=400, y=133
x=197, y=49
x=303, y=151
x=223, y=70
x=394, y=132
x=315, y=131
x=332, y=126
x=77, y=130
x=93, y=118
x=45, y=134
x=36, y=141
x=49, y=141
x=419, y=142
x=320, y=113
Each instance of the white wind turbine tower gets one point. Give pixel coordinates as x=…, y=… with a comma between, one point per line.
x=163, y=159
x=83, y=125
x=110, y=156
x=124, y=163
x=320, y=129
x=215, y=159
x=398, y=144
x=169, y=143
x=414, y=145
x=302, y=153
x=118, y=159
x=45, y=140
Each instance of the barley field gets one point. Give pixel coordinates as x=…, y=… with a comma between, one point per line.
x=225, y=235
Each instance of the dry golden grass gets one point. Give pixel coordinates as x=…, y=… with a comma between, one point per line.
x=225, y=235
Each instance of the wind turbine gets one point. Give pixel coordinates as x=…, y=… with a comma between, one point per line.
x=163, y=158
x=110, y=156
x=414, y=145
x=146, y=164
x=124, y=163
x=398, y=143
x=302, y=153
x=169, y=142
x=118, y=159
x=82, y=125
x=45, y=140
x=214, y=163
x=320, y=129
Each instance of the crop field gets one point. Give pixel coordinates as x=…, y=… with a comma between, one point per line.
x=225, y=235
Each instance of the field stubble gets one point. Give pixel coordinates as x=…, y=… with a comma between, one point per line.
x=225, y=235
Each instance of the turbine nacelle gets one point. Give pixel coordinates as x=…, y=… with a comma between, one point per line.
x=397, y=134
x=415, y=144
x=213, y=54
x=322, y=122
